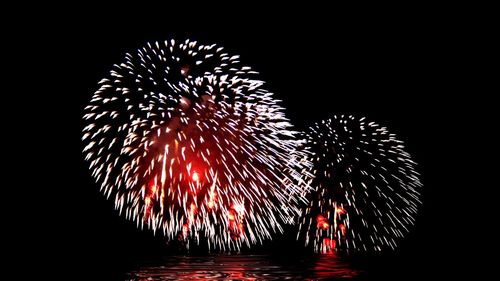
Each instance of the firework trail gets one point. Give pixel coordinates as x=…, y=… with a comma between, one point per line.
x=365, y=188
x=185, y=140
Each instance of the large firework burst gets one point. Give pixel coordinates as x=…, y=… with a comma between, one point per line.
x=365, y=191
x=185, y=139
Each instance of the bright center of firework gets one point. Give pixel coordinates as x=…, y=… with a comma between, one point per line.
x=195, y=176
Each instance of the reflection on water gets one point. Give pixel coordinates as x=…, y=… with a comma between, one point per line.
x=245, y=267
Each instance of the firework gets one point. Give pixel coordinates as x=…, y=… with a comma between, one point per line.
x=365, y=188
x=185, y=139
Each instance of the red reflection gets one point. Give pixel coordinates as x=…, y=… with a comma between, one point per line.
x=248, y=267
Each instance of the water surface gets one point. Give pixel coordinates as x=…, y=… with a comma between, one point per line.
x=245, y=267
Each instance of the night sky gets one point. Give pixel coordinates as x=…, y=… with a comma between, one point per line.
x=394, y=71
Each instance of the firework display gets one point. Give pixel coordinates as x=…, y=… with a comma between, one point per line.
x=186, y=141
x=365, y=188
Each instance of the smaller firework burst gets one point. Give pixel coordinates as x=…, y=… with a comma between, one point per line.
x=365, y=187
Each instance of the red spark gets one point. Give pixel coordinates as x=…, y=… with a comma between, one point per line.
x=340, y=211
x=236, y=227
x=342, y=229
x=210, y=204
x=185, y=70
x=231, y=216
x=212, y=195
x=329, y=245
x=322, y=222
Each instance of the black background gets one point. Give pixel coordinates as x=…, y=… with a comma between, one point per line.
x=399, y=70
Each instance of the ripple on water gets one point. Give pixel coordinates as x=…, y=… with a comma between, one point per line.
x=245, y=267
